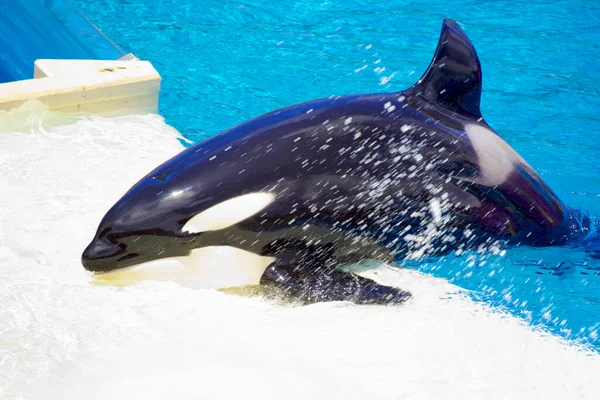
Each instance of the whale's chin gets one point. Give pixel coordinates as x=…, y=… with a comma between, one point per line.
x=214, y=267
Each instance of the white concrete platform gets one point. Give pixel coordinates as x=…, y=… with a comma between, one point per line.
x=87, y=86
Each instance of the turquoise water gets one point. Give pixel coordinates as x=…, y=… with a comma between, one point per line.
x=225, y=62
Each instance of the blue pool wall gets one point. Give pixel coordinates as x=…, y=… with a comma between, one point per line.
x=37, y=29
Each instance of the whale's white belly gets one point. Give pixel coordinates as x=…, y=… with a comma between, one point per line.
x=215, y=267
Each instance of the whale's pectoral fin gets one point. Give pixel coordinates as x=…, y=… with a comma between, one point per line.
x=317, y=286
x=309, y=275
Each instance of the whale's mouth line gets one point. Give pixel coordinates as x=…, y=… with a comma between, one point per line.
x=117, y=266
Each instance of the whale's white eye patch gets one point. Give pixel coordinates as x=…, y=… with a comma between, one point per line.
x=228, y=212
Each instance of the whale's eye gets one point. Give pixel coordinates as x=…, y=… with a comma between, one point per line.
x=228, y=212
x=169, y=169
x=162, y=175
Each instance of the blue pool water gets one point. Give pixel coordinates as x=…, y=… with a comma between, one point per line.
x=34, y=29
x=225, y=62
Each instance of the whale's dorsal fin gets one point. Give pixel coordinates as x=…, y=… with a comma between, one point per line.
x=453, y=78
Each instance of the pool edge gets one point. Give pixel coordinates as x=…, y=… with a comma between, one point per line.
x=87, y=86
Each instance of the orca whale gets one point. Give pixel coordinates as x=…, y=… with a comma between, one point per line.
x=290, y=196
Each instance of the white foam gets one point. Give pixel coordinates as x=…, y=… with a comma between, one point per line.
x=64, y=337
